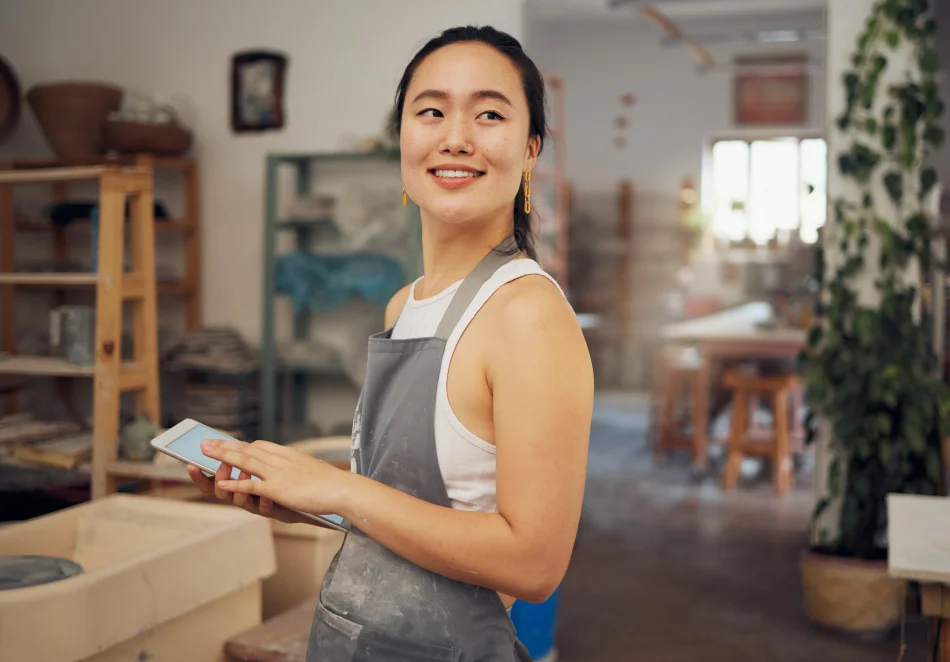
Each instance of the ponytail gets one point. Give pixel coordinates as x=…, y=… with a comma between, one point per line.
x=523, y=231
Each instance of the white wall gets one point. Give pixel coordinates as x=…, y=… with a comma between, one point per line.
x=345, y=61
x=677, y=108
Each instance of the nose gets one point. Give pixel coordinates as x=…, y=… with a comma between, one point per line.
x=457, y=140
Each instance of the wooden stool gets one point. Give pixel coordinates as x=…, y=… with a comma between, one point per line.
x=740, y=445
x=680, y=370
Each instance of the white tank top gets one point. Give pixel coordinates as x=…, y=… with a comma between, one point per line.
x=467, y=462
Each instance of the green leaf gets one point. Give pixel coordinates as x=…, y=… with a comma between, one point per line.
x=893, y=38
x=928, y=179
x=821, y=507
x=834, y=477
x=934, y=135
x=889, y=137
x=894, y=184
x=929, y=62
x=870, y=125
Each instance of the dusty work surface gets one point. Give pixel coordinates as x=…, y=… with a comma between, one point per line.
x=669, y=571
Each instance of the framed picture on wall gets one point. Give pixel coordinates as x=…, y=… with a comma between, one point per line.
x=258, y=79
x=771, y=90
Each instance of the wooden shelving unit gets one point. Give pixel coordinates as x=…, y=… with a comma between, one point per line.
x=113, y=287
x=188, y=226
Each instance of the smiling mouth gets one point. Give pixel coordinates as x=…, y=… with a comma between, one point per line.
x=456, y=174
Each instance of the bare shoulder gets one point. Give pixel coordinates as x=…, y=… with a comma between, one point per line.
x=530, y=301
x=396, y=304
x=531, y=317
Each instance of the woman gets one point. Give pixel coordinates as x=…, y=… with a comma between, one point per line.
x=470, y=436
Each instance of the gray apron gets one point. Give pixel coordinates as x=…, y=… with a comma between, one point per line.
x=375, y=605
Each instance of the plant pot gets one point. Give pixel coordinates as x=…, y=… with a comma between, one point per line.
x=851, y=596
x=72, y=115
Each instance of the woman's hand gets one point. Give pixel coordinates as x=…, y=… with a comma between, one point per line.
x=259, y=506
x=286, y=477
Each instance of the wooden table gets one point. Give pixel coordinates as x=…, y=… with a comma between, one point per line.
x=734, y=333
x=919, y=550
x=283, y=638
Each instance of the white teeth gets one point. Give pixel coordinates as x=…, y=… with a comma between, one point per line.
x=455, y=173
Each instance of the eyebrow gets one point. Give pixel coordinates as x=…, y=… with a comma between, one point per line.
x=442, y=95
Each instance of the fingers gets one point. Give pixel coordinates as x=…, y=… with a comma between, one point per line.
x=265, y=506
x=240, y=498
x=205, y=486
x=242, y=455
x=255, y=487
x=223, y=473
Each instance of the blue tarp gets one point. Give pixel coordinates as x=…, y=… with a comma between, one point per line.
x=320, y=283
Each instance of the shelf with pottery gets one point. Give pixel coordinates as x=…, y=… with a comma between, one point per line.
x=113, y=287
x=318, y=177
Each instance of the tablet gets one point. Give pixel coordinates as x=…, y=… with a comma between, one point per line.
x=183, y=442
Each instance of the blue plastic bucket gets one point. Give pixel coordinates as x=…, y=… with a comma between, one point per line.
x=535, y=625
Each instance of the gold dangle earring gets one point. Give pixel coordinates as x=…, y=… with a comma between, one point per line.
x=527, y=191
x=405, y=198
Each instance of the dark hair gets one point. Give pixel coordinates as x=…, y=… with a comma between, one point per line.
x=531, y=81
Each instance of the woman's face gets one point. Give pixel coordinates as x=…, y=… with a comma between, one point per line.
x=464, y=137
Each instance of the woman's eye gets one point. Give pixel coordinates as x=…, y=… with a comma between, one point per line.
x=492, y=115
x=430, y=112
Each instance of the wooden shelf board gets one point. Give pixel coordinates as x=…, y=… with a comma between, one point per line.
x=174, y=287
x=49, y=279
x=54, y=366
x=40, y=175
x=44, y=366
x=165, y=163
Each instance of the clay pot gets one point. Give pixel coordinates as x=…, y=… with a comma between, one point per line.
x=72, y=115
x=851, y=596
x=161, y=139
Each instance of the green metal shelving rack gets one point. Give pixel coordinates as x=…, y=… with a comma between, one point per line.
x=272, y=366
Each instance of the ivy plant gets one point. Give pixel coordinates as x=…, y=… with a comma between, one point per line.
x=872, y=372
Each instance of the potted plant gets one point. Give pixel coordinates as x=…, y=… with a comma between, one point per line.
x=875, y=391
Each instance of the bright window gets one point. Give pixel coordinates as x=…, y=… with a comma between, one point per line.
x=762, y=187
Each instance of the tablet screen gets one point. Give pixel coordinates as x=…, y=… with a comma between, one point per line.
x=188, y=446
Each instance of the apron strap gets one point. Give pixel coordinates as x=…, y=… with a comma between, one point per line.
x=501, y=254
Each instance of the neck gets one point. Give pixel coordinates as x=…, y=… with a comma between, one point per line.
x=451, y=251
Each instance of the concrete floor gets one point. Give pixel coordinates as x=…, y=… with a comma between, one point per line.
x=670, y=570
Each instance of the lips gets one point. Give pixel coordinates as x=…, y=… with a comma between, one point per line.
x=453, y=176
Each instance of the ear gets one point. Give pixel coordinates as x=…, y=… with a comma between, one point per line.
x=531, y=152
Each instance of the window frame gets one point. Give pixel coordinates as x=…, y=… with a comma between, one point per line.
x=749, y=137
